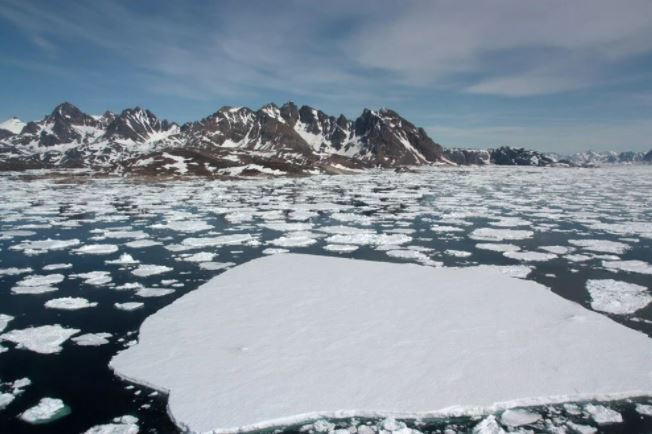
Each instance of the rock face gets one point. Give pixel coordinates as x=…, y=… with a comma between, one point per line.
x=503, y=156
x=231, y=141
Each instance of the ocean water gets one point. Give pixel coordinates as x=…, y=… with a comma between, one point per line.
x=435, y=216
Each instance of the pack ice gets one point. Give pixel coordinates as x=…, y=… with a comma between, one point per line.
x=288, y=338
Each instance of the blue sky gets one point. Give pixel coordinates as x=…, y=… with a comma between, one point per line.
x=545, y=74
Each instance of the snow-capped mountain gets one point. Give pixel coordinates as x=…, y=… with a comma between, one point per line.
x=231, y=141
x=10, y=127
x=592, y=158
x=503, y=156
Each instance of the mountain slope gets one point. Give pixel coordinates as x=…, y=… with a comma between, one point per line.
x=231, y=141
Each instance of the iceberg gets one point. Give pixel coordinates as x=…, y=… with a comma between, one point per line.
x=289, y=338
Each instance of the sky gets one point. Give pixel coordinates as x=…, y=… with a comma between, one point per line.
x=552, y=75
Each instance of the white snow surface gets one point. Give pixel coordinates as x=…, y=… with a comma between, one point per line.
x=288, y=338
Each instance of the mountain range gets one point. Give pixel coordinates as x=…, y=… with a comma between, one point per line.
x=237, y=141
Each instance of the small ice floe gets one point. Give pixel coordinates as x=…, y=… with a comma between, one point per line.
x=458, y=253
x=123, y=234
x=274, y=251
x=370, y=239
x=603, y=415
x=42, y=246
x=69, y=303
x=578, y=428
x=124, y=259
x=12, y=271
x=295, y=239
x=96, y=249
x=197, y=257
x=414, y=255
x=9, y=391
x=221, y=240
x=631, y=266
x=341, y=248
x=37, y=284
x=510, y=222
x=141, y=244
x=488, y=425
x=186, y=226
x=120, y=425
x=92, y=339
x=616, y=297
x=445, y=228
x=215, y=266
x=517, y=417
x=644, y=409
x=577, y=258
x=287, y=227
x=45, y=339
x=530, y=256
x=153, y=292
x=558, y=250
x=129, y=306
x=345, y=230
x=146, y=270
x=4, y=321
x=498, y=247
x=47, y=410
x=95, y=278
x=602, y=246
x=53, y=267
x=491, y=234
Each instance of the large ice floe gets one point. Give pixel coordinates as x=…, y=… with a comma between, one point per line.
x=289, y=338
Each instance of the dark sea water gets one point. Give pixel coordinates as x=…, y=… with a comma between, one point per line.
x=558, y=205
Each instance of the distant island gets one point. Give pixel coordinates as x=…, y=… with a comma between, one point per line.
x=238, y=141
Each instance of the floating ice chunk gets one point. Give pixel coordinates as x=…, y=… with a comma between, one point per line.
x=577, y=258
x=41, y=280
x=412, y=254
x=198, y=257
x=631, y=266
x=345, y=230
x=124, y=234
x=92, y=339
x=96, y=249
x=458, y=253
x=518, y=417
x=604, y=246
x=215, y=266
x=603, y=415
x=644, y=409
x=45, y=339
x=129, y=306
x=558, y=250
x=120, y=425
x=140, y=244
x=124, y=259
x=530, y=256
x=370, y=239
x=620, y=298
x=153, y=292
x=509, y=222
x=518, y=271
x=488, y=425
x=42, y=246
x=444, y=228
x=274, y=251
x=255, y=331
x=47, y=410
x=146, y=270
x=96, y=278
x=52, y=267
x=341, y=248
x=222, y=240
x=491, y=234
x=578, y=428
x=188, y=226
x=69, y=303
x=12, y=271
x=33, y=289
x=498, y=247
x=287, y=227
x=351, y=218
x=295, y=239
x=6, y=399
x=4, y=321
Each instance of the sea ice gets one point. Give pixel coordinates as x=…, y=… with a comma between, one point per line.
x=603, y=415
x=95, y=278
x=153, y=292
x=491, y=234
x=41, y=280
x=69, y=303
x=498, y=247
x=120, y=425
x=519, y=417
x=341, y=248
x=96, y=249
x=146, y=270
x=140, y=244
x=47, y=410
x=124, y=259
x=603, y=246
x=620, y=298
x=4, y=321
x=45, y=339
x=52, y=267
x=92, y=339
x=644, y=409
x=129, y=306
x=332, y=336
x=12, y=271
x=530, y=256
x=215, y=266
x=631, y=266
